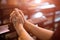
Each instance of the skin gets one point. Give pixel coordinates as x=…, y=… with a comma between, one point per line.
x=22, y=26
x=23, y=34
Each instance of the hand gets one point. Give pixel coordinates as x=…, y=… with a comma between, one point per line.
x=16, y=18
x=20, y=13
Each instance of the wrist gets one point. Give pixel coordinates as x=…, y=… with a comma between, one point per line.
x=25, y=22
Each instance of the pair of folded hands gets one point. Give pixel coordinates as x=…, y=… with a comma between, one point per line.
x=17, y=17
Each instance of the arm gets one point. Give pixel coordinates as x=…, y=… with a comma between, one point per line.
x=23, y=35
x=38, y=31
x=18, y=25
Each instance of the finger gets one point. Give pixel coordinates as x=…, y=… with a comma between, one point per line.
x=17, y=12
x=21, y=13
x=12, y=18
x=12, y=13
x=19, y=17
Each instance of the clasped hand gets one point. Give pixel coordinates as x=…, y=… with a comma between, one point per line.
x=17, y=17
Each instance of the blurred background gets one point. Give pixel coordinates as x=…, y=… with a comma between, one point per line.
x=43, y=13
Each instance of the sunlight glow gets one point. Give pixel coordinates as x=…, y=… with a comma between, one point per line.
x=37, y=1
x=37, y=15
x=47, y=6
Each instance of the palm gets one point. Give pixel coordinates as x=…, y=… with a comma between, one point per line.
x=16, y=17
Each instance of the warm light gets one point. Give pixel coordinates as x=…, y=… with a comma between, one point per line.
x=34, y=3
x=37, y=1
x=44, y=5
x=47, y=6
x=37, y=15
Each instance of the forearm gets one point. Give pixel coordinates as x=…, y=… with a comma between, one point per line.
x=38, y=31
x=23, y=35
